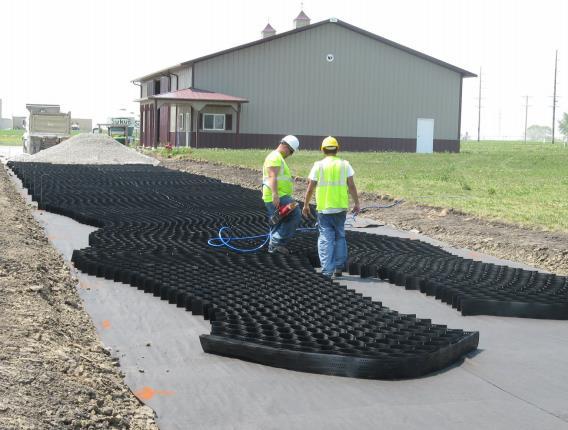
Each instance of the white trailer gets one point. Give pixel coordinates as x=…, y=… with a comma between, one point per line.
x=46, y=127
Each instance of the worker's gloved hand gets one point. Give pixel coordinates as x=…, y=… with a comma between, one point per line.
x=306, y=212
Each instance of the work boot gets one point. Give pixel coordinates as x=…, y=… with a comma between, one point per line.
x=278, y=249
x=337, y=274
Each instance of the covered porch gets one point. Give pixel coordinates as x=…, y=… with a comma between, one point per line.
x=190, y=117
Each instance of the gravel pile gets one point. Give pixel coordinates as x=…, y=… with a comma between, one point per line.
x=89, y=148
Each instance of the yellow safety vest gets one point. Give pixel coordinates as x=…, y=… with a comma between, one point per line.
x=332, y=190
x=285, y=181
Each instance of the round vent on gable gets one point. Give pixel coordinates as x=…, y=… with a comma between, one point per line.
x=329, y=58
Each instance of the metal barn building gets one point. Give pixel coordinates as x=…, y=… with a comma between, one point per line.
x=327, y=78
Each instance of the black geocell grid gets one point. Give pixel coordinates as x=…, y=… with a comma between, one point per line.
x=273, y=309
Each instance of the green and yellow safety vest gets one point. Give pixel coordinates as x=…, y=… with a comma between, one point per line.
x=285, y=182
x=332, y=190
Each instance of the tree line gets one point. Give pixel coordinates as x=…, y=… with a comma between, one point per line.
x=543, y=133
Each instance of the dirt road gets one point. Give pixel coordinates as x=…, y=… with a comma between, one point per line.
x=545, y=250
x=54, y=372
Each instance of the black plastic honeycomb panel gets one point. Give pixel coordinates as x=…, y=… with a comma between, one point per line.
x=412, y=264
x=154, y=225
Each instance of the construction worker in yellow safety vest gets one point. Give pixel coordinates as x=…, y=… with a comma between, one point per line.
x=332, y=180
x=277, y=191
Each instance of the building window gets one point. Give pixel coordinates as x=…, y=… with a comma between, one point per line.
x=181, y=125
x=213, y=121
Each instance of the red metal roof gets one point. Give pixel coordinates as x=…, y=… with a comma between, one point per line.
x=268, y=28
x=196, y=95
x=302, y=17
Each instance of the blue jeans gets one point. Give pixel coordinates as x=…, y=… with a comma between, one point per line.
x=332, y=246
x=284, y=231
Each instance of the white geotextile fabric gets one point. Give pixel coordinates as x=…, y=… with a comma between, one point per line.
x=89, y=148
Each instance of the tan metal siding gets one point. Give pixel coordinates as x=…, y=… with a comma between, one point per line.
x=164, y=84
x=184, y=77
x=148, y=87
x=370, y=90
x=174, y=82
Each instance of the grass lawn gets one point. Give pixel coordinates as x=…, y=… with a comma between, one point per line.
x=11, y=137
x=511, y=181
x=14, y=137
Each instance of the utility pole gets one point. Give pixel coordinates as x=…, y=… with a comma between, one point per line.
x=479, y=107
x=526, y=115
x=554, y=96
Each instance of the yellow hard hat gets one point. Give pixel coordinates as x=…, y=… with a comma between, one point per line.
x=329, y=142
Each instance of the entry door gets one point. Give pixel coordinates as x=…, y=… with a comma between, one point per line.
x=425, y=135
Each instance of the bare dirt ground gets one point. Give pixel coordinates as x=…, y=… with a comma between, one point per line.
x=542, y=249
x=54, y=371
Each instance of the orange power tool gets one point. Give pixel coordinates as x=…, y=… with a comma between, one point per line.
x=282, y=212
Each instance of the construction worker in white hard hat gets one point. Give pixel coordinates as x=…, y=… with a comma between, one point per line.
x=332, y=180
x=277, y=190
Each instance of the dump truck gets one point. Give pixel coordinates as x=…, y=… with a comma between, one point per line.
x=46, y=127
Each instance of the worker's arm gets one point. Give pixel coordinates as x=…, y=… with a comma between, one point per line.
x=309, y=193
x=273, y=184
x=354, y=195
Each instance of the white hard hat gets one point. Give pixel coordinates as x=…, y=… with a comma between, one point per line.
x=292, y=142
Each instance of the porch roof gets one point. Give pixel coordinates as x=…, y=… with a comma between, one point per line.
x=197, y=95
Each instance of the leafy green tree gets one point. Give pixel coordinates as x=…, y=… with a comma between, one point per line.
x=541, y=133
x=563, y=125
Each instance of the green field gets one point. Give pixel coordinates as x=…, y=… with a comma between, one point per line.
x=11, y=137
x=14, y=137
x=521, y=183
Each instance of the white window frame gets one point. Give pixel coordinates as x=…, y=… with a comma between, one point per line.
x=214, y=115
